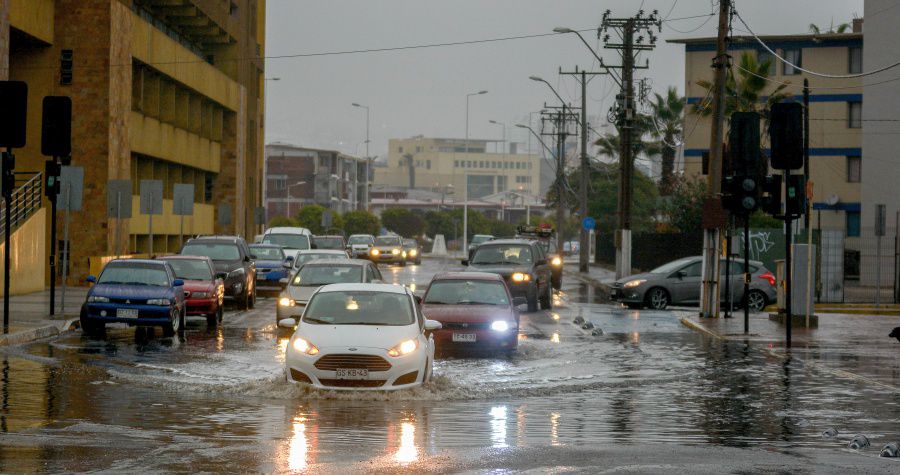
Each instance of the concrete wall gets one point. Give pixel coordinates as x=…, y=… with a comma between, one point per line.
x=28, y=259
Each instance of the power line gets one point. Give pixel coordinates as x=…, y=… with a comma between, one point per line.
x=691, y=31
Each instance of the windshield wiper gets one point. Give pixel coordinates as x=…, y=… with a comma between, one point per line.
x=472, y=302
x=316, y=320
x=436, y=302
x=488, y=263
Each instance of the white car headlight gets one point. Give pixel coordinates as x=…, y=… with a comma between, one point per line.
x=634, y=283
x=303, y=346
x=286, y=302
x=413, y=252
x=395, y=251
x=404, y=348
x=97, y=299
x=159, y=302
x=520, y=277
x=499, y=326
x=556, y=261
x=375, y=252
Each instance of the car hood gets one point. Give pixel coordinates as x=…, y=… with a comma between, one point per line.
x=358, y=336
x=646, y=276
x=467, y=313
x=198, y=286
x=504, y=270
x=276, y=265
x=359, y=246
x=120, y=291
x=387, y=248
x=301, y=294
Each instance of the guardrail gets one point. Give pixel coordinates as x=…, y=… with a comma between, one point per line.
x=26, y=200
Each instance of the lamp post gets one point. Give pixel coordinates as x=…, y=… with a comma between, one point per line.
x=466, y=194
x=501, y=124
x=368, y=160
x=291, y=199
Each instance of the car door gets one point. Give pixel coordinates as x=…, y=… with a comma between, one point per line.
x=684, y=284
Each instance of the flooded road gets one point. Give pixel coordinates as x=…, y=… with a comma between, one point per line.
x=646, y=388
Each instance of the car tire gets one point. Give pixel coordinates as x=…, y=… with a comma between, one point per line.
x=756, y=300
x=657, y=298
x=88, y=327
x=173, y=327
x=212, y=319
x=557, y=282
x=532, y=301
x=418, y=262
x=402, y=263
x=251, y=299
x=547, y=298
x=429, y=371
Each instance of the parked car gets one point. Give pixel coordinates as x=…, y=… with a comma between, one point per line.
x=361, y=337
x=359, y=245
x=315, y=274
x=234, y=265
x=413, y=251
x=678, y=283
x=522, y=264
x=136, y=292
x=291, y=239
x=272, y=268
x=476, y=241
x=329, y=242
x=388, y=249
x=476, y=311
x=203, y=291
x=318, y=254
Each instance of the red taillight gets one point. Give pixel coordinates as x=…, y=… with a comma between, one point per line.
x=768, y=276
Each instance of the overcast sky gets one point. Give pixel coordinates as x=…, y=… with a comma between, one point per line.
x=423, y=91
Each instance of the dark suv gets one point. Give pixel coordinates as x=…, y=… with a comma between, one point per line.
x=234, y=265
x=523, y=265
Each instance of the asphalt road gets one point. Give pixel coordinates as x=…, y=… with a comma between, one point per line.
x=646, y=395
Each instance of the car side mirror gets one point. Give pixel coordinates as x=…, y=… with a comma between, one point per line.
x=178, y=282
x=91, y=279
x=679, y=274
x=432, y=325
x=222, y=275
x=519, y=301
x=464, y=262
x=418, y=299
x=288, y=263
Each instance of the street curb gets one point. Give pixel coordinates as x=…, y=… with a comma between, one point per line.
x=701, y=328
x=28, y=336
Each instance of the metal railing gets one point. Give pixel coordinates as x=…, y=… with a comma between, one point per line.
x=26, y=200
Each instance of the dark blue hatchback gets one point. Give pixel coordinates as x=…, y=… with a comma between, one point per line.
x=135, y=292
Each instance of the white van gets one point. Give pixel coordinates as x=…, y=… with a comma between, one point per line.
x=292, y=239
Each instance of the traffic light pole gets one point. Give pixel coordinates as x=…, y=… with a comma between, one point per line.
x=747, y=274
x=53, y=246
x=787, y=267
x=8, y=185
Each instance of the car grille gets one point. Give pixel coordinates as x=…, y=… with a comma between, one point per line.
x=353, y=383
x=465, y=326
x=129, y=301
x=264, y=271
x=369, y=362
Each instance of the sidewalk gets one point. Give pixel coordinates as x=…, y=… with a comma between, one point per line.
x=30, y=319
x=596, y=275
x=848, y=345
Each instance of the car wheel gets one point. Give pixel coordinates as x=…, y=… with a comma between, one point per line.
x=251, y=299
x=174, y=325
x=418, y=262
x=88, y=327
x=429, y=371
x=756, y=300
x=657, y=298
x=547, y=299
x=212, y=319
x=402, y=263
x=220, y=313
x=557, y=282
x=532, y=301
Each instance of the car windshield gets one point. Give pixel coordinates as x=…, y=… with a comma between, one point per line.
x=328, y=242
x=359, y=308
x=217, y=251
x=134, y=274
x=410, y=243
x=316, y=275
x=508, y=254
x=304, y=257
x=671, y=266
x=267, y=253
x=288, y=241
x=360, y=240
x=466, y=292
x=480, y=238
x=191, y=269
x=387, y=241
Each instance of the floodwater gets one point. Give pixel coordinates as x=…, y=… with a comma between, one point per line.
x=218, y=402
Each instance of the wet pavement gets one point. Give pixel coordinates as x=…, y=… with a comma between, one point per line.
x=647, y=395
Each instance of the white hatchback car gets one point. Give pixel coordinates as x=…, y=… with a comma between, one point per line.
x=361, y=337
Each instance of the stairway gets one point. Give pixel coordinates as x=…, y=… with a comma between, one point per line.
x=26, y=200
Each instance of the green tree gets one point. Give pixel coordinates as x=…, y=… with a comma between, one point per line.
x=684, y=207
x=282, y=221
x=440, y=222
x=310, y=217
x=841, y=28
x=610, y=143
x=361, y=222
x=668, y=130
x=403, y=222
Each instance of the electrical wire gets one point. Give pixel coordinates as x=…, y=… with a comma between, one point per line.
x=670, y=10
x=691, y=31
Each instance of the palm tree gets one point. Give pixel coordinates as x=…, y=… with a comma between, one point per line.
x=668, y=129
x=842, y=28
x=610, y=144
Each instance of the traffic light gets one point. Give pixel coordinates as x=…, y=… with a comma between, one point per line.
x=51, y=172
x=786, y=135
x=795, y=195
x=771, y=195
x=743, y=145
x=740, y=194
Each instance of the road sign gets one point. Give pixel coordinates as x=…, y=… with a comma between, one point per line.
x=327, y=218
x=183, y=199
x=588, y=223
x=118, y=199
x=151, y=196
x=224, y=214
x=71, y=186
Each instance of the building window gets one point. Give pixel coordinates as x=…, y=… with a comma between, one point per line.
x=855, y=59
x=428, y=164
x=400, y=149
x=854, y=115
x=854, y=169
x=481, y=164
x=279, y=184
x=794, y=56
x=455, y=163
x=852, y=223
x=764, y=56
x=418, y=149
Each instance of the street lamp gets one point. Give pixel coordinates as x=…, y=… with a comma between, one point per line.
x=501, y=124
x=538, y=137
x=466, y=195
x=290, y=198
x=273, y=79
x=366, y=198
x=562, y=29
x=540, y=79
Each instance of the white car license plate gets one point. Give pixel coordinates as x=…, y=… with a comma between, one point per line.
x=126, y=313
x=464, y=337
x=351, y=373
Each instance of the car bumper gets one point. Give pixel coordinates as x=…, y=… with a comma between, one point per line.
x=149, y=315
x=485, y=340
x=359, y=253
x=204, y=306
x=389, y=258
x=298, y=365
x=521, y=289
x=621, y=294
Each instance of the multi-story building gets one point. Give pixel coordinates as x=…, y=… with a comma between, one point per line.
x=298, y=176
x=167, y=90
x=423, y=162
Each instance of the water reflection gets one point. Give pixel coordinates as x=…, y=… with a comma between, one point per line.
x=299, y=446
x=408, y=451
x=554, y=428
x=498, y=426
x=555, y=337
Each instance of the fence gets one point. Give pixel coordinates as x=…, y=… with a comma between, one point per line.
x=651, y=250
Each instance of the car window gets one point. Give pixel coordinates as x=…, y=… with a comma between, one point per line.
x=135, y=274
x=360, y=240
x=217, y=251
x=517, y=254
x=693, y=270
x=316, y=275
x=387, y=241
x=466, y=292
x=328, y=242
x=313, y=256
x=671, y=266
x=267, y=253
x=480, y=238
x=189, y=269
x=736, y=267
x=377, y=273
x=410, y=243
x=290, y=241
x=359, y=308
x=370, y=275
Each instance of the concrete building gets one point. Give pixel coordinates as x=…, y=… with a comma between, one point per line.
x=423, y=162
x=298, y=176
x=167, y=90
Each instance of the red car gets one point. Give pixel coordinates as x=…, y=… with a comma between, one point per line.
x=204, y=292
x=476, y=310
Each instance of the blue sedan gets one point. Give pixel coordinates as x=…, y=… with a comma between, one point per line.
x=135, y=292
x=272, y=267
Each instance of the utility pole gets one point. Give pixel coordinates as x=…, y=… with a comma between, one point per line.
x=709, y=294
x=560, y=120
x=623, y=115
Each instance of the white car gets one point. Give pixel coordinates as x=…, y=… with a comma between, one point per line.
x=309, y=255
x=291, y=239
x=361, y=337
